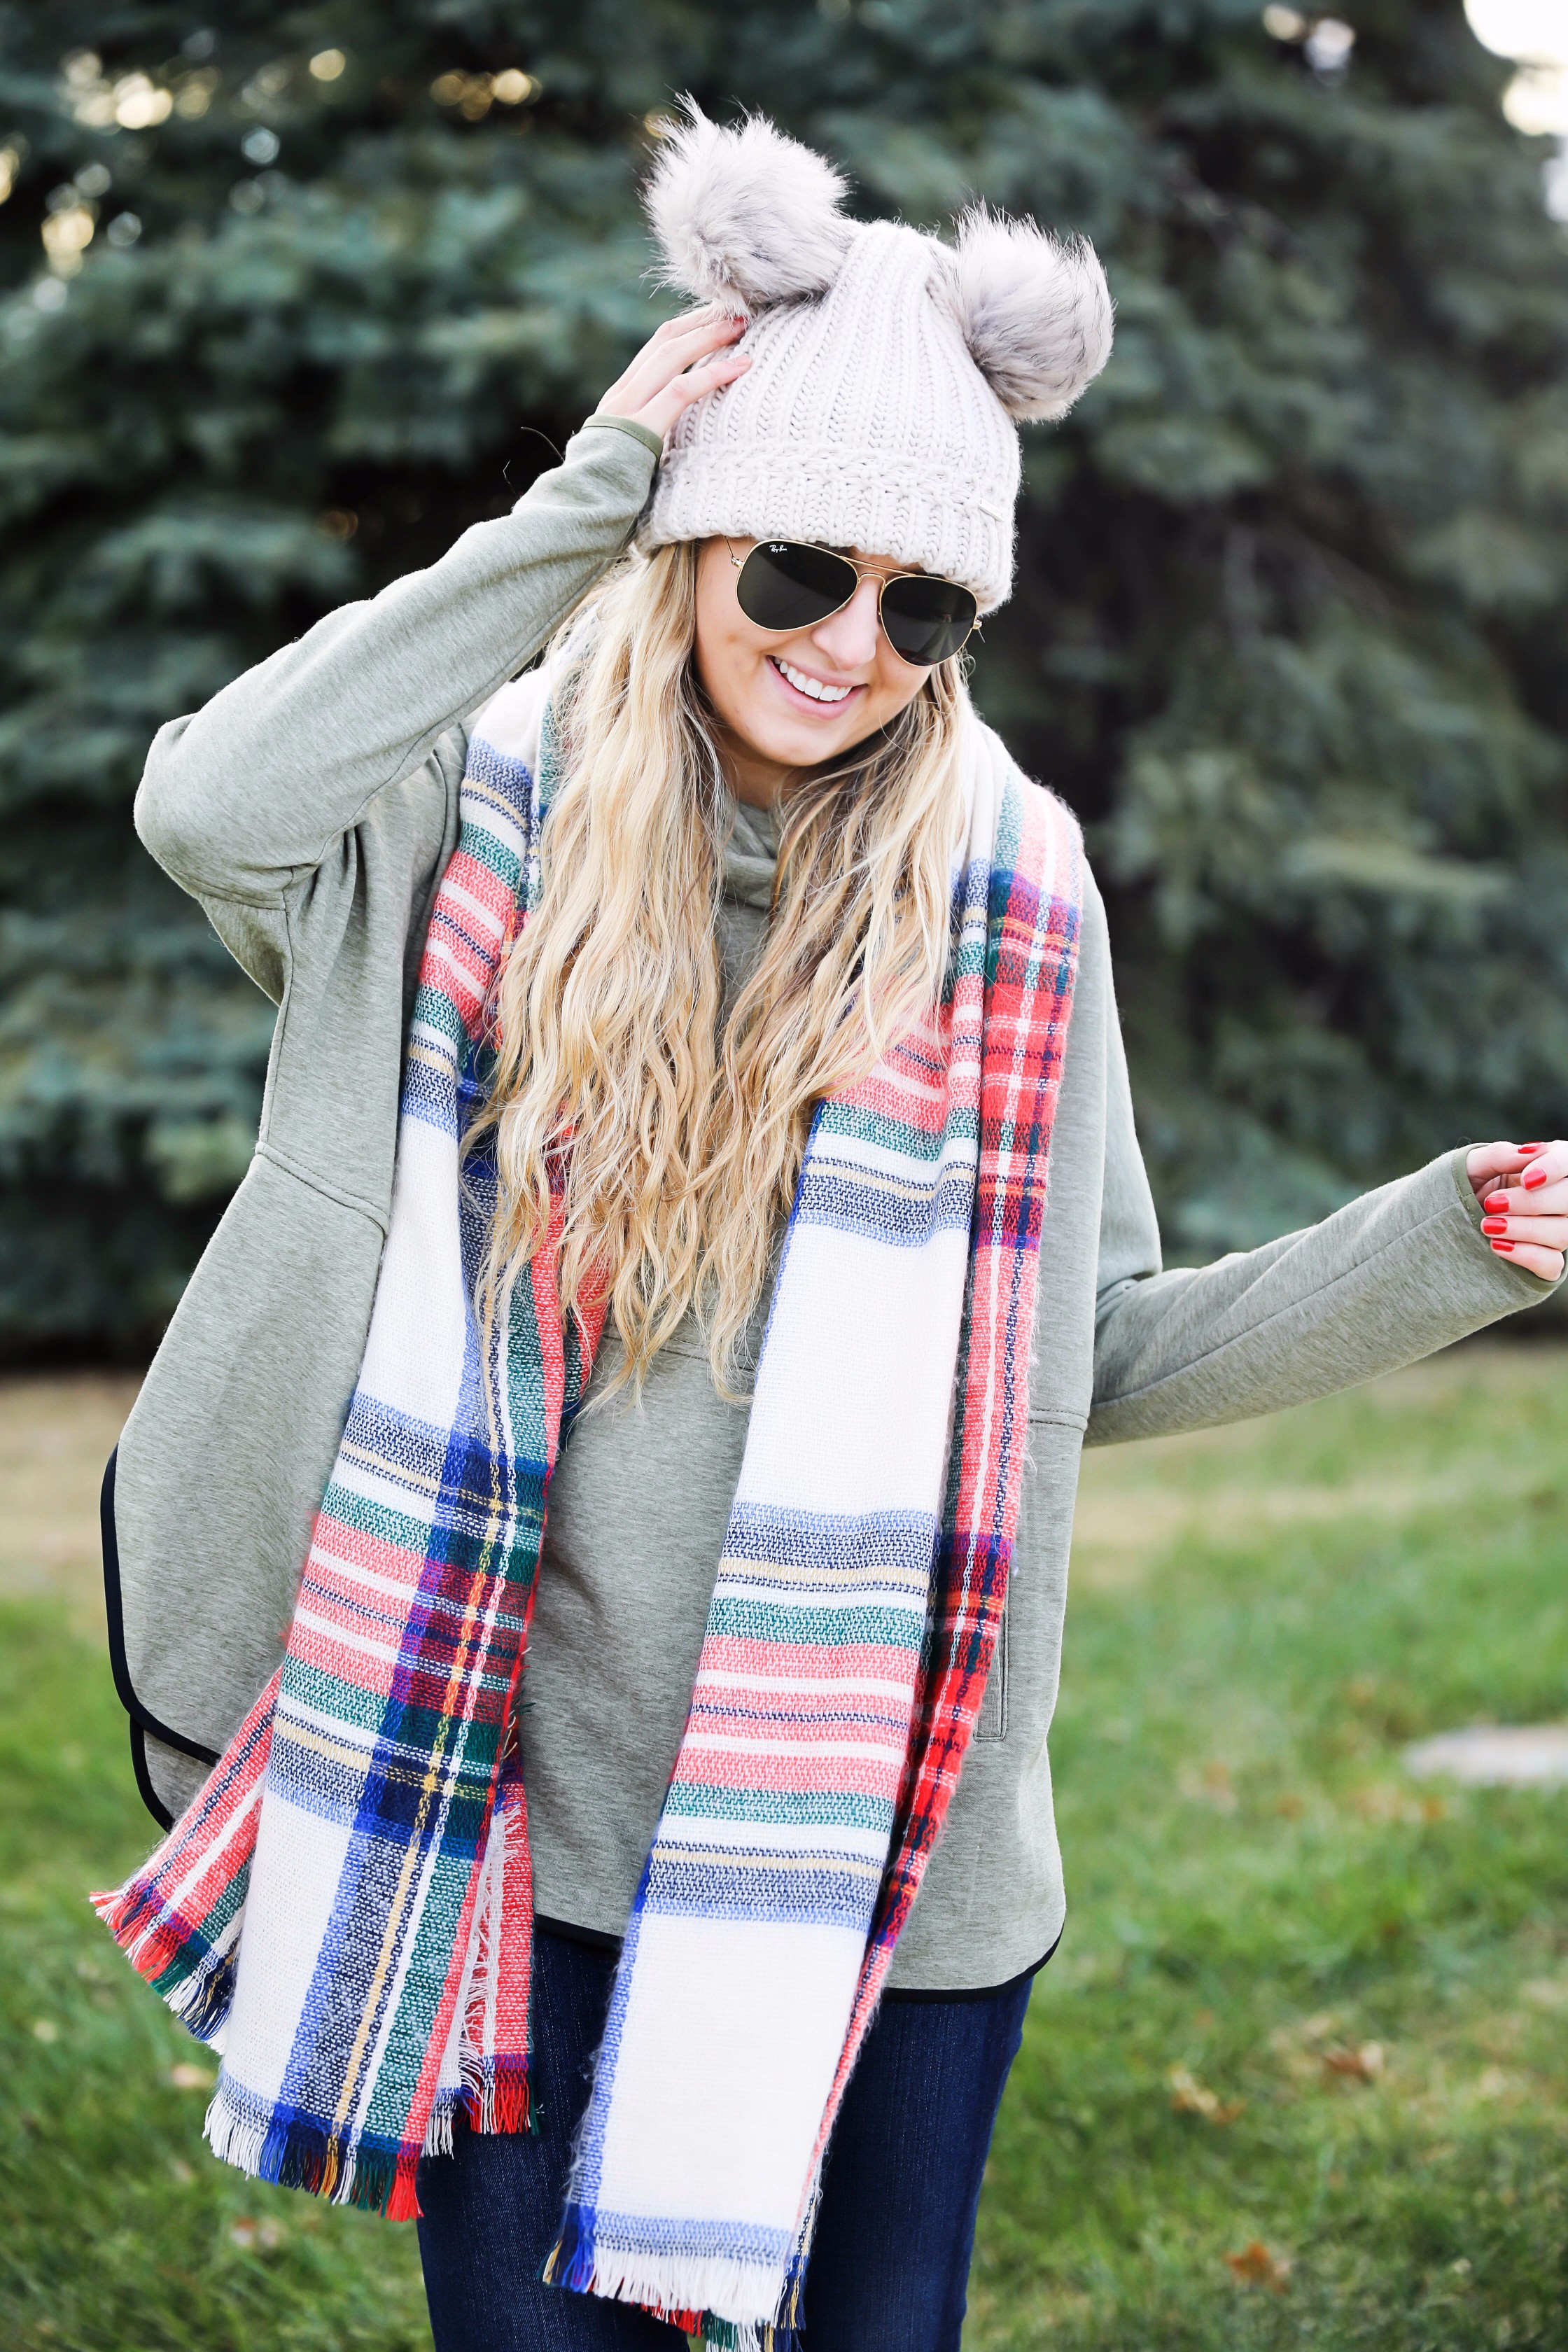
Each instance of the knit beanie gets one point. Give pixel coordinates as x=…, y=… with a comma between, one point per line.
x=888, y=366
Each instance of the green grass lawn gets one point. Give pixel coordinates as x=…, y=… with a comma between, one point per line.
x=120, y=2233
x=1307, y=2014
x=1362, y=1980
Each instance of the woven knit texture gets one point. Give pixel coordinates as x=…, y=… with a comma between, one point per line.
x=862, y=422
x=346, y=1906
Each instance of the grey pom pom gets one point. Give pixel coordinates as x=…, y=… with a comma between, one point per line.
x=746, y=217
x=1033, y=309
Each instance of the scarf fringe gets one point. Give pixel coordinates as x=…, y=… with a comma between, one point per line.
x=502, y=2100
x=685, y=2301
x=194, y=1980
x=300, y=2155
x=496, y=2094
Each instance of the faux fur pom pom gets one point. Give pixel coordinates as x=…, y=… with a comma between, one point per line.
x=1034, y=311
x=746, y=217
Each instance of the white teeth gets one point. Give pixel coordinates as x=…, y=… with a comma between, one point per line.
x=812, y=685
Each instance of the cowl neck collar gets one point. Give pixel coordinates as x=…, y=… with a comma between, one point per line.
x=752, y=856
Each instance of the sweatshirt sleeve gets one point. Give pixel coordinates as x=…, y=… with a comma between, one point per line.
x=1389, y=1279
x=260, y=783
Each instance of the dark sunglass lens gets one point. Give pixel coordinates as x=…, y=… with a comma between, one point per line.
x=927, y=620
x=785, y=585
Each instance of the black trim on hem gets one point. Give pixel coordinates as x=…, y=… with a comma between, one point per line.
x=145, y=1724
x=144, y=1788
x=568, y=1934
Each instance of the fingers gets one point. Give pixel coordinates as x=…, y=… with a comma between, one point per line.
x=1523, y=1191
x=1531, y=1164
x=1547, y=1263
x=680, y=360
x=1548, y=1165
x=673, y=348
x=1550, y=1232
x=723, y=369
x=1528, y=1226
x=693, y=322
x=676, y=345
x=1488, y=1161
x=1513, y=1199
x=707, y=375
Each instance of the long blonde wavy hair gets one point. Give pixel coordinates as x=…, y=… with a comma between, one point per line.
x=686, y=1132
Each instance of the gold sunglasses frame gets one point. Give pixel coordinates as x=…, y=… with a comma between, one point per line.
x=861, y=572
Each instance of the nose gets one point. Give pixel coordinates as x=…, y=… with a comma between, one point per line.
x=848, y=638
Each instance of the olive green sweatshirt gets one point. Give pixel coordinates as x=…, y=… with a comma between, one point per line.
x=311, y=807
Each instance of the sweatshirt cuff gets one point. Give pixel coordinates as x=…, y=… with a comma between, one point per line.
x=1527, y=1286
x=643, y=433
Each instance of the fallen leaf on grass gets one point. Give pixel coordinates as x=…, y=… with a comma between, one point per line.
x=1191, y=2097
x=186, y=2077
x=46, y=2030
x=1256, y=2266
x=1299, y=2043
x=1364, y=2064
x=247, y=2234
x=1380, y=1803
x=1212, y=1786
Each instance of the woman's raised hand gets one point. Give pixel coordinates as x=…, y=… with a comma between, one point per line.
x=681, y=361
x=1524, y=1189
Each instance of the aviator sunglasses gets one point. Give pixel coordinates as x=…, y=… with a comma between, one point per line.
x=785, y=584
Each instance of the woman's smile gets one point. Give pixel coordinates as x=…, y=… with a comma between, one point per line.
x=809, y=686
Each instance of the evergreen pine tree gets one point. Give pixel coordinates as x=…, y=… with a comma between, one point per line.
x=293, y=296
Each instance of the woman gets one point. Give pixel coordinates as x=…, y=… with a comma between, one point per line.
x=740, y=993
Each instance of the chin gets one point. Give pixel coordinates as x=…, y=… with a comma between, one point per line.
x=794, y=743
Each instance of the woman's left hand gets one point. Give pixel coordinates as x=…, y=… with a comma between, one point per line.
x=1524, y=1189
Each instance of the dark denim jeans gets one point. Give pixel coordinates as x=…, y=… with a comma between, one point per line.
x=890, y=2259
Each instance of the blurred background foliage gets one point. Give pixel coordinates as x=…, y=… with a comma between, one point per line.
x=290, y=297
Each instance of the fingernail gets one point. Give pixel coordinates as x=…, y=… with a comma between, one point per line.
x=1532, y=1179
x=1496, y=1201
x=1494, y=1224
x=1503, y=1249
x=1528, y=1148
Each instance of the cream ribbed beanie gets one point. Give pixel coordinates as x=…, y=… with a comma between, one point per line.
x=887, y=367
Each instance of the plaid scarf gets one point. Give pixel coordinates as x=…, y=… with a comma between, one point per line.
x=345, y=1909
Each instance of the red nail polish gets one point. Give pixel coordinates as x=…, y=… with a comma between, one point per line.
x=1528, y=1148
x=1496, y=1201
x=1494, y=1224
x=1532, y=1179
x=1502, y=1248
